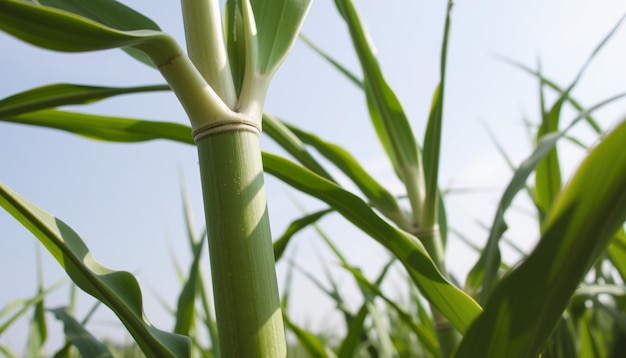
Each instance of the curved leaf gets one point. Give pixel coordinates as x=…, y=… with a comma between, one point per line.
x=278, y=23
x=185, y=309
x=60, y=30
x=106, y=128
x=85, y=342
x=281, y=243
x=387, y=114
x=483, y=274
x=453, y=303
x=63, y=94
x=527, y=304
x=312, y=344
x=378, y=196
x=116, y=289
x=279, y=132
x=110, y=13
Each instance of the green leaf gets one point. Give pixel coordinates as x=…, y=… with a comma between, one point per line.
x=60, y=30
x=432, y=138
x=388, y=117
x=116, y=289
x=259, y=36
x=312, y=344
x=278, y=23
x=110, y=13
x=105, y=128
x=85, y=342
x=427, y=338
x=38, y=329
x=281, y=134
x=22, y=306
x=281, y=243
x=8, y=353
x=63, y=94
x=527, y=304
x=617, y=253
x=352, y=77
x=378, y=196
x=355, y=334
x=185, y=311
x=453, y=303
x=548, y=174
x=483, y=274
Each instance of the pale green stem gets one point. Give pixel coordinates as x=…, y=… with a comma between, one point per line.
x=447, y=336
x=206, y=48
x=247, y=304
x=203, y=105
x=413, y=179
x=427, y=231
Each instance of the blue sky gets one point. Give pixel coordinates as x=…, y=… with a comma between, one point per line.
x=125, y=199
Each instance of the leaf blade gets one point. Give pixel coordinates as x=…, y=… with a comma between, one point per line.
x=116, y=289
x=525, y=306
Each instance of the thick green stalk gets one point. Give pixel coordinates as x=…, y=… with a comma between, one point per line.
x=242, y=260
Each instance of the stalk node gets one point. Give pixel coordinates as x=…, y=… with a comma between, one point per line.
x=229, y=125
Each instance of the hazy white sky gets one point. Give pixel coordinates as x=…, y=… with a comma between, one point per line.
x=124, y=199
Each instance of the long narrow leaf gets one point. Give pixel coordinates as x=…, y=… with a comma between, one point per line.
x=452, y=302
x=110, y=13
x=377, y=195
x=432, y=138
x=280, y=244
x=280, y=133
x=525, y=307
x=63, y=94
x=389, y=119
x=105, y=128
x=83, y=340
x=185, y=310
x=483, y=274
x=116, y=289
x=312, y=344
x=617, y=253
x=60, y=30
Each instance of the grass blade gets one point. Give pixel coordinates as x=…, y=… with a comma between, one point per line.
x=85, y=342
x=309, y=341
x=24, y=306
x=453, y=303
x=279, y=132
x=352, y=77
x=105, y=128
x=116, y=289
x=432, y=138
x=377, y=195
x=483, y=274
x=63, y=94
x=60, y=30
x=38, y=326
x=617, y=253
x=110, y=13
x=280, y=244
x=185, y=311
x=527, y=304
x=390, y=121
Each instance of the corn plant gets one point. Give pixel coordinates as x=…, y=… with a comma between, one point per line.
x=222, y=82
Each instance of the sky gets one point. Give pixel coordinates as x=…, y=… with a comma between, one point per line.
x=125, y=199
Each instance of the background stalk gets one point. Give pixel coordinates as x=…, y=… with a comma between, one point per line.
x=242, y=260
x=447, y=336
